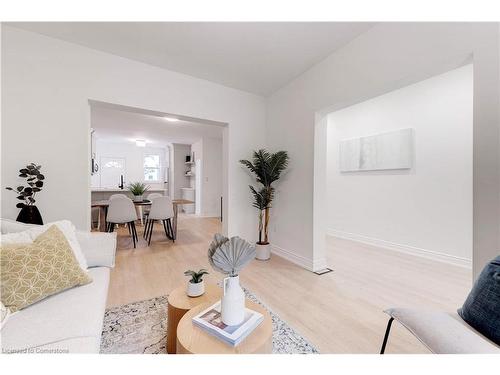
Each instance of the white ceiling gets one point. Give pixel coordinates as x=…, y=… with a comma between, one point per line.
x=257, y=57
x=116, y=125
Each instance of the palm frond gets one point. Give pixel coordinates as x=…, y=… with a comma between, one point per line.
x=277, y=164
x=262, y=197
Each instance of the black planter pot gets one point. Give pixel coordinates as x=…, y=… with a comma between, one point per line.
x=30, y=215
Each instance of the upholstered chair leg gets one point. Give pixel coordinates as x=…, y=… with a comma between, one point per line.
x=169, y=223
x=151, y=231
x=165, y=228
x=134, y=232
x=386, y=336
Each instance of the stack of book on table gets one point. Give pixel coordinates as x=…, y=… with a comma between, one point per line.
x=210, y=320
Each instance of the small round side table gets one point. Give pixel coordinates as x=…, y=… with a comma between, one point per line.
x=179, y=304
x=192, y=339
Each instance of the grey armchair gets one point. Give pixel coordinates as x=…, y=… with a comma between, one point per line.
x=440, y=332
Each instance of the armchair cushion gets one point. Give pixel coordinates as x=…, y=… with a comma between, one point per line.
x=481, y=309
x=443, y=333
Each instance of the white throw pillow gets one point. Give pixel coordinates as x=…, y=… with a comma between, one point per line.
x=29, y=235
x=4, y=315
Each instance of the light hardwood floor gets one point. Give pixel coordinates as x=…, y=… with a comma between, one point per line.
x=340, y=312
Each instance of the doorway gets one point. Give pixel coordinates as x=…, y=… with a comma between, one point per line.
x=423, y=209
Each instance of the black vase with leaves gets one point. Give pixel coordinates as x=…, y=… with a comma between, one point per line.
x=29, y=212
x=30, y=215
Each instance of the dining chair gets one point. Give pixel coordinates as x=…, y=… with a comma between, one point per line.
x=117, y=196
x=122, y=211
x=146, y=209
x=161, y=209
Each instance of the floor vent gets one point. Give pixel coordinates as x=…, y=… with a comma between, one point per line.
x=323, y=271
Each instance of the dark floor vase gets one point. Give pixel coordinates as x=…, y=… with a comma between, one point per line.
x=30, y=215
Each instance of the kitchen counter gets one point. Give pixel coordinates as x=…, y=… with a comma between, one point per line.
x=118, y=190
x=98, y=194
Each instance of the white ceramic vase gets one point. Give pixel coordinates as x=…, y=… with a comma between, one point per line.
x=233, y=302
x=195, y=289
x=262, y=252
x=138, y=198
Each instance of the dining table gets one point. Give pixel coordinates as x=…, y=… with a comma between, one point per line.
x=103, y=206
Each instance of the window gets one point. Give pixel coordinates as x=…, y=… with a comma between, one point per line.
x=151, y=168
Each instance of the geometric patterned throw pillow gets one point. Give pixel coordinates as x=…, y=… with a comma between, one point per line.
x=33, y=271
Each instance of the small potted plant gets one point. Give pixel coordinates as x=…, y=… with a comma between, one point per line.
x=138, y=189
x=196, y=285
x=26, y=194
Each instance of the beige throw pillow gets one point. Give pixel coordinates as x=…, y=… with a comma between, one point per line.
x=33, y=271
x=27, y=233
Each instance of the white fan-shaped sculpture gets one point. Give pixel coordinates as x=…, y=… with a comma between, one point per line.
x=230, y=255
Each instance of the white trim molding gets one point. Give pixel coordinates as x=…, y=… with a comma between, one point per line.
x=292, y=257
x=416, y=251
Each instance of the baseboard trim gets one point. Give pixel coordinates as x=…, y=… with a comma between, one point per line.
x=292, y=257
x=411, y=250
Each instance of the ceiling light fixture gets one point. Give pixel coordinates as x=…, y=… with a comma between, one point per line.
x=140, y=143
x=171, y=119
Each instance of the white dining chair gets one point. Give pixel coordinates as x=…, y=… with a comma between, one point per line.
x=152, y=196
x=122, y=211
x=161, y=209
x=117, y=196
x=146, y=209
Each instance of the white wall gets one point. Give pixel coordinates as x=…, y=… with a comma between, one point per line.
x=46, y=85
x=426, y=210
x=197, y=149
x=386, y=57
x=211, y=182
x=208, y=155
x=134, y=161
x=178, y=170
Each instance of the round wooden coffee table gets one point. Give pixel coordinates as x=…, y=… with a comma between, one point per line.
x=192, y=339
x=179, y=304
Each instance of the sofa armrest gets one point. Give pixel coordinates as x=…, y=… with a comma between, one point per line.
x=99, y=248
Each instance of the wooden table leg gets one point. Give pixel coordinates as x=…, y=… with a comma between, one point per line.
x=102, y=219
x=174, y=316
x=140, y=213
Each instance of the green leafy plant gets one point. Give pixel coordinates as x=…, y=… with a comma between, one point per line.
x=267, y=168
x=196, y=277
x=138, y=188
x=34, y=179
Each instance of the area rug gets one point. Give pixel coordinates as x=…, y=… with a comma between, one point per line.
x=141, y=327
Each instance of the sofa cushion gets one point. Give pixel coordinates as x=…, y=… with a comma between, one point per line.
x=69, y=320
x=31, y=272
x=481, y=309
x=16, y=232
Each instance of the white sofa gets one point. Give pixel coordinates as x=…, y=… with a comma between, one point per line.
x=71, y=321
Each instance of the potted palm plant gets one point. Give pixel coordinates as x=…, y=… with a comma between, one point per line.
x=138, y=189
x=267, y=168
x=26, y=194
